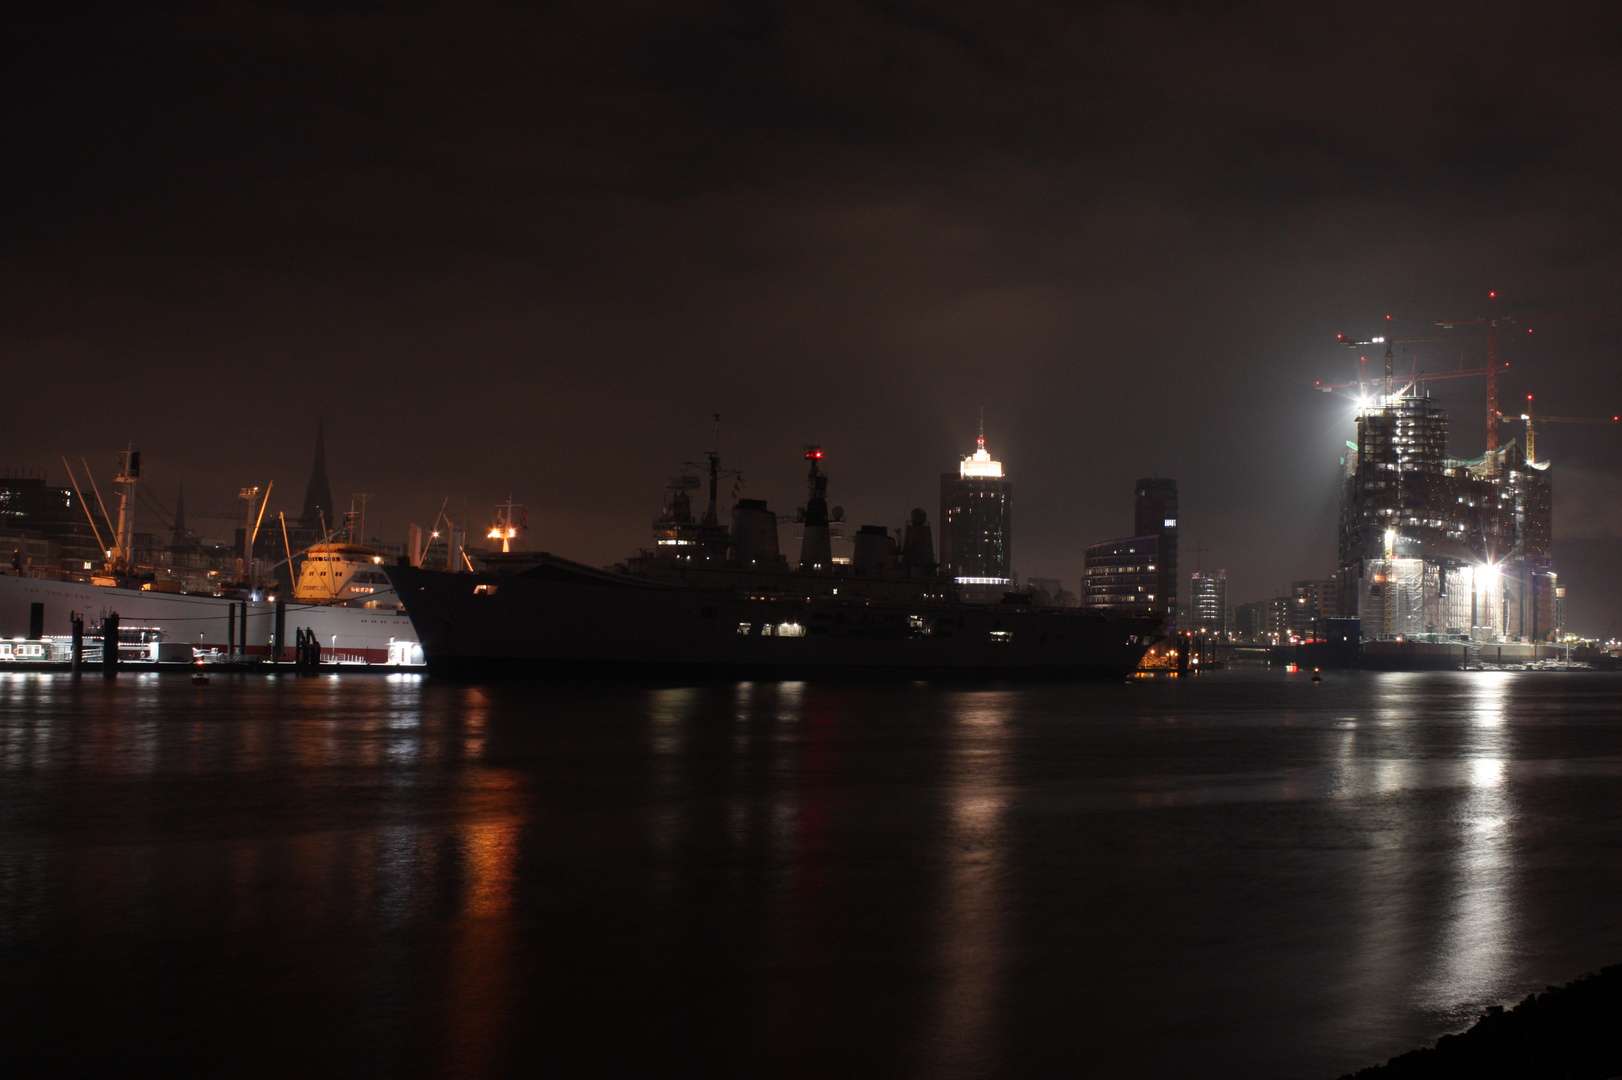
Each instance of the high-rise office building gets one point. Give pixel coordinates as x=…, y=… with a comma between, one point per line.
x=1138, y=574
x=1122, y=577
x=976, y=526
x=1155, y=514
x=1208, y=603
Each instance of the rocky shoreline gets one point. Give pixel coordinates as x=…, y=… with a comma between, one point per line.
x=1571, y=1032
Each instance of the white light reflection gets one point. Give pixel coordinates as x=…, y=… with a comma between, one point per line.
x=403, y=723
x=790, y=702
x=972, y=919
x=668, y=713
x=787, y=733
x=27, y=740
x=1478, y=931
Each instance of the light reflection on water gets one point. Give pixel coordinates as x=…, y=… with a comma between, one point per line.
x=1478, y=937
x=1435, y=899
x=972, y=934
x=667, y=715
x=478, y=880
x=478, y=998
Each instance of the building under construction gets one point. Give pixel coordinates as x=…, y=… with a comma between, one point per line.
x=1431, y=545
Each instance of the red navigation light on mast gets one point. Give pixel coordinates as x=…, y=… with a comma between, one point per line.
x=817, y=482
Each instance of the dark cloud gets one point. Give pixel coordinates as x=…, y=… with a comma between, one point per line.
x=534, y=247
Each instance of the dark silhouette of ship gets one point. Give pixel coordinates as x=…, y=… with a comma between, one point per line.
x=712, y=601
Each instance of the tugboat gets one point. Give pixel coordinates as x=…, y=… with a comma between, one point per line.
x=709, y=601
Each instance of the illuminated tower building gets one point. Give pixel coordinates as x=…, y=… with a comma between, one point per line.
x=1208, y=604
x=976, y=526
x=1155, y=514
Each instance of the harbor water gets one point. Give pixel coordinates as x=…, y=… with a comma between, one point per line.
x=1244, y=875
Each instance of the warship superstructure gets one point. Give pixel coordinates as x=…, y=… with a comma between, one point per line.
x=713, y=600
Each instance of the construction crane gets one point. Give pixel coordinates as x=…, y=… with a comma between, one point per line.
x=1532, y=420
x=1199, y=550
x=1491, y=322
x=1363, y=362
x=250, y=520
x=1390, y=361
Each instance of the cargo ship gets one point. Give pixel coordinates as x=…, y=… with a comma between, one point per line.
x=708, y=600
x=341, y=596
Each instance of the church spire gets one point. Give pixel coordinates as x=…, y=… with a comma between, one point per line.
x=179, y=537
x=318, y=495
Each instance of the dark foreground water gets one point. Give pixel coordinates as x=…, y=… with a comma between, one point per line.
x=1244, y=876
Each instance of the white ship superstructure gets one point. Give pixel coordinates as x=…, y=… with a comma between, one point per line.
x=342, y=596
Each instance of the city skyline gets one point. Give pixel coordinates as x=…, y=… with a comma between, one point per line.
x=502, y=250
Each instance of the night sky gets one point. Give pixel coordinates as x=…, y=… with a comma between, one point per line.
x=533, y=247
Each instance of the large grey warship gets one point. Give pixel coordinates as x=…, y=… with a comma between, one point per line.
x=708, y=600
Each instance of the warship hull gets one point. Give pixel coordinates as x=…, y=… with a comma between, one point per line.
x=562, y=618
